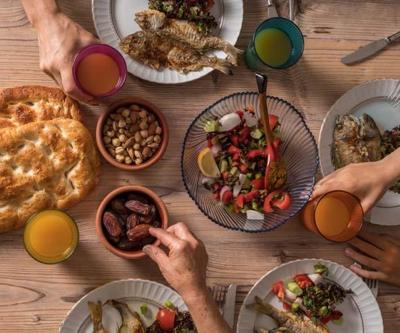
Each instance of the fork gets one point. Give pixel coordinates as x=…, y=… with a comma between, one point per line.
x=218, y=293
x=373, y=285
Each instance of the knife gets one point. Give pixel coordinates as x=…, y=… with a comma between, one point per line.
x=229, y=305
x=271, y=9
x=370, y=49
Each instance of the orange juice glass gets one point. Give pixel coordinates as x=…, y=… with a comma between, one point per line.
x=337, y=216
x=51, y=236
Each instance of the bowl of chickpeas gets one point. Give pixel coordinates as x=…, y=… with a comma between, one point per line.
x=132, y=134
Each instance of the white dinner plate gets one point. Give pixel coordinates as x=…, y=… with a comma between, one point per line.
x=379, y=99
x=114, y=19
x=361, y=313
x=133, y=292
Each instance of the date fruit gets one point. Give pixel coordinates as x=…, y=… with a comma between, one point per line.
x=138, y=233
x=149, y=219
x=110, y=222
x=137, y=206
x=132, y=221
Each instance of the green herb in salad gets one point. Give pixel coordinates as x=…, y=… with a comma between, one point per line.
x=168, y=304
x=144, y=309
x=321, y=269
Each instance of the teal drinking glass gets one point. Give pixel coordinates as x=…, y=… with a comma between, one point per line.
x=290, y=29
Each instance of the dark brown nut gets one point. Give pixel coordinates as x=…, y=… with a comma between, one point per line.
x=138, y=233
x=132, y=221
x=137, y=206
x=110, y=222
x=149, y=219
x=126, y=245
x=118, y=206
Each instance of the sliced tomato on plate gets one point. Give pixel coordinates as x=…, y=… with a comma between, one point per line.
x=166, y=319
x=273, y=121
x=303, y=281
x=277, y=199
x=278, y=288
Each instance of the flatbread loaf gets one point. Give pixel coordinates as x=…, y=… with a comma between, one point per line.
x=26, y=104
x=46, y=164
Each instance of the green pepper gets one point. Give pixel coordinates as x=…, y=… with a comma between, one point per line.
x=168, y=304
x=249, y=175
x=223, y=165
x=254, y=205
x=234, y=170
x=295, y=307
x=256, y=134
x=211, y=126
x=320, y=269
x=258, y=175
x=323, y=311
x=144, y=309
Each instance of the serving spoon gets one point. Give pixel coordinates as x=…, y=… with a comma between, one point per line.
x=275, y=170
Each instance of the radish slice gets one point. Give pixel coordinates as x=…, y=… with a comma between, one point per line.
x=215, y=149
x=289, y=295
x=315, y=278
x=223, y=190
x=254, y=215
x=250, y=118
x=229, y=122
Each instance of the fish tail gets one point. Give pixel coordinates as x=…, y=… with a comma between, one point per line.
x=233, y=53
x=224, y=67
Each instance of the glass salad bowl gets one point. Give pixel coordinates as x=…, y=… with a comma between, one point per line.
x=298, y=149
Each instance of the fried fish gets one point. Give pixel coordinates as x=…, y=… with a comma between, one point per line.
x=184, y=32
x=156, y=52
x=131, y=322
x=96, y=314
x=287, y=321
x=355, y=140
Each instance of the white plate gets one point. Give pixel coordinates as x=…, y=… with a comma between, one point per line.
x=114, y=19
x=379, y=99
x=361, y=311
x=133, y=292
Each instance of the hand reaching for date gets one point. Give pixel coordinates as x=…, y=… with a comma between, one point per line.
x=379, y=254
x=184, y=267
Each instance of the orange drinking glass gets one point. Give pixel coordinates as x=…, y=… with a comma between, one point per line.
x=337, y=216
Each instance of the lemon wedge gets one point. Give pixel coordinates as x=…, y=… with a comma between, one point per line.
x=207, y=164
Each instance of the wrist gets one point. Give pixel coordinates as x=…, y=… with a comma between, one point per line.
x=195, y=296
x=389, y=169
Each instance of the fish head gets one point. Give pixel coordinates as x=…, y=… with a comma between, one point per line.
x=150, y=19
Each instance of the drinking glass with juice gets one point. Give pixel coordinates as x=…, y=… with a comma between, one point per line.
x=337, y=216
x=277, y=43
x=99, y=70
x=51, y=236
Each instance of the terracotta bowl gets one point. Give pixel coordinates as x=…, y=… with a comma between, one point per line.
x=151, y=108
x=160, y=206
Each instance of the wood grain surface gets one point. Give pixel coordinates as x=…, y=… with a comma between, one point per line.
x=36, y=298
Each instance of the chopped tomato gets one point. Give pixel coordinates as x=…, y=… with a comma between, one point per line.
x=235, y=139
x=233, y=150
x=303, y=281
x=267, y=207
x=209, y=142
x=278, y=289
x=235, y=164
x=240, y=201
x=227, y=197
x=166, y=319
x=244, y=134
x=277, y=143
x=243, y=168
x=286, y=306
x=258, y=184
x=236, y=157
x=334, y=315
x=283, y=202
x=251, y=196
x=273, y=121
x=252, y=154
x=240, y=113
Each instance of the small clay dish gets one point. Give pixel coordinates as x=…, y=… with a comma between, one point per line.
x=150, y=197
x=149, y=107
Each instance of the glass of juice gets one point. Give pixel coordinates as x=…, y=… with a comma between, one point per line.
x=337, y=216
x=51, y=236
x=278, y=43
x=99, y=70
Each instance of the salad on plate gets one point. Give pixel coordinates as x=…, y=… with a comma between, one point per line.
x=235, y=165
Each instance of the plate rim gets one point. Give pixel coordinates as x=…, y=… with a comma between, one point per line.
x=314, y=143
x=116, y=282
x=155, y=78
x=292, y=262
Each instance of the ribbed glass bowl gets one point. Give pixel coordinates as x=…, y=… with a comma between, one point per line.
x=299, y=150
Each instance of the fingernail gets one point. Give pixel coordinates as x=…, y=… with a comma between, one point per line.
x=348, y=251
x=146, y=249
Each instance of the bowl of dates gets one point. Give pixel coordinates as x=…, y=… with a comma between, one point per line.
x=124, y=218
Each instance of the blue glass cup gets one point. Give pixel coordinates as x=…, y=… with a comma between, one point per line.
x=290, y=29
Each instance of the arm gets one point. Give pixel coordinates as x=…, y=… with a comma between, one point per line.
x=60, y=39
x=184, y=267
x=368, y=181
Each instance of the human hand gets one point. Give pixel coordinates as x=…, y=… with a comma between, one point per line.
x=365, y=180
x=379, y=254
x=184, y=267
x=60, y=39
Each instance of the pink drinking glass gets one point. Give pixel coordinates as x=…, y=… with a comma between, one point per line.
x=103, y=49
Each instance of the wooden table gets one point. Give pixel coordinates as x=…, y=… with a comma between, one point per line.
x=35, y=297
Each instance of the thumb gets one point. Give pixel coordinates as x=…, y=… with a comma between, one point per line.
x=156, y=254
